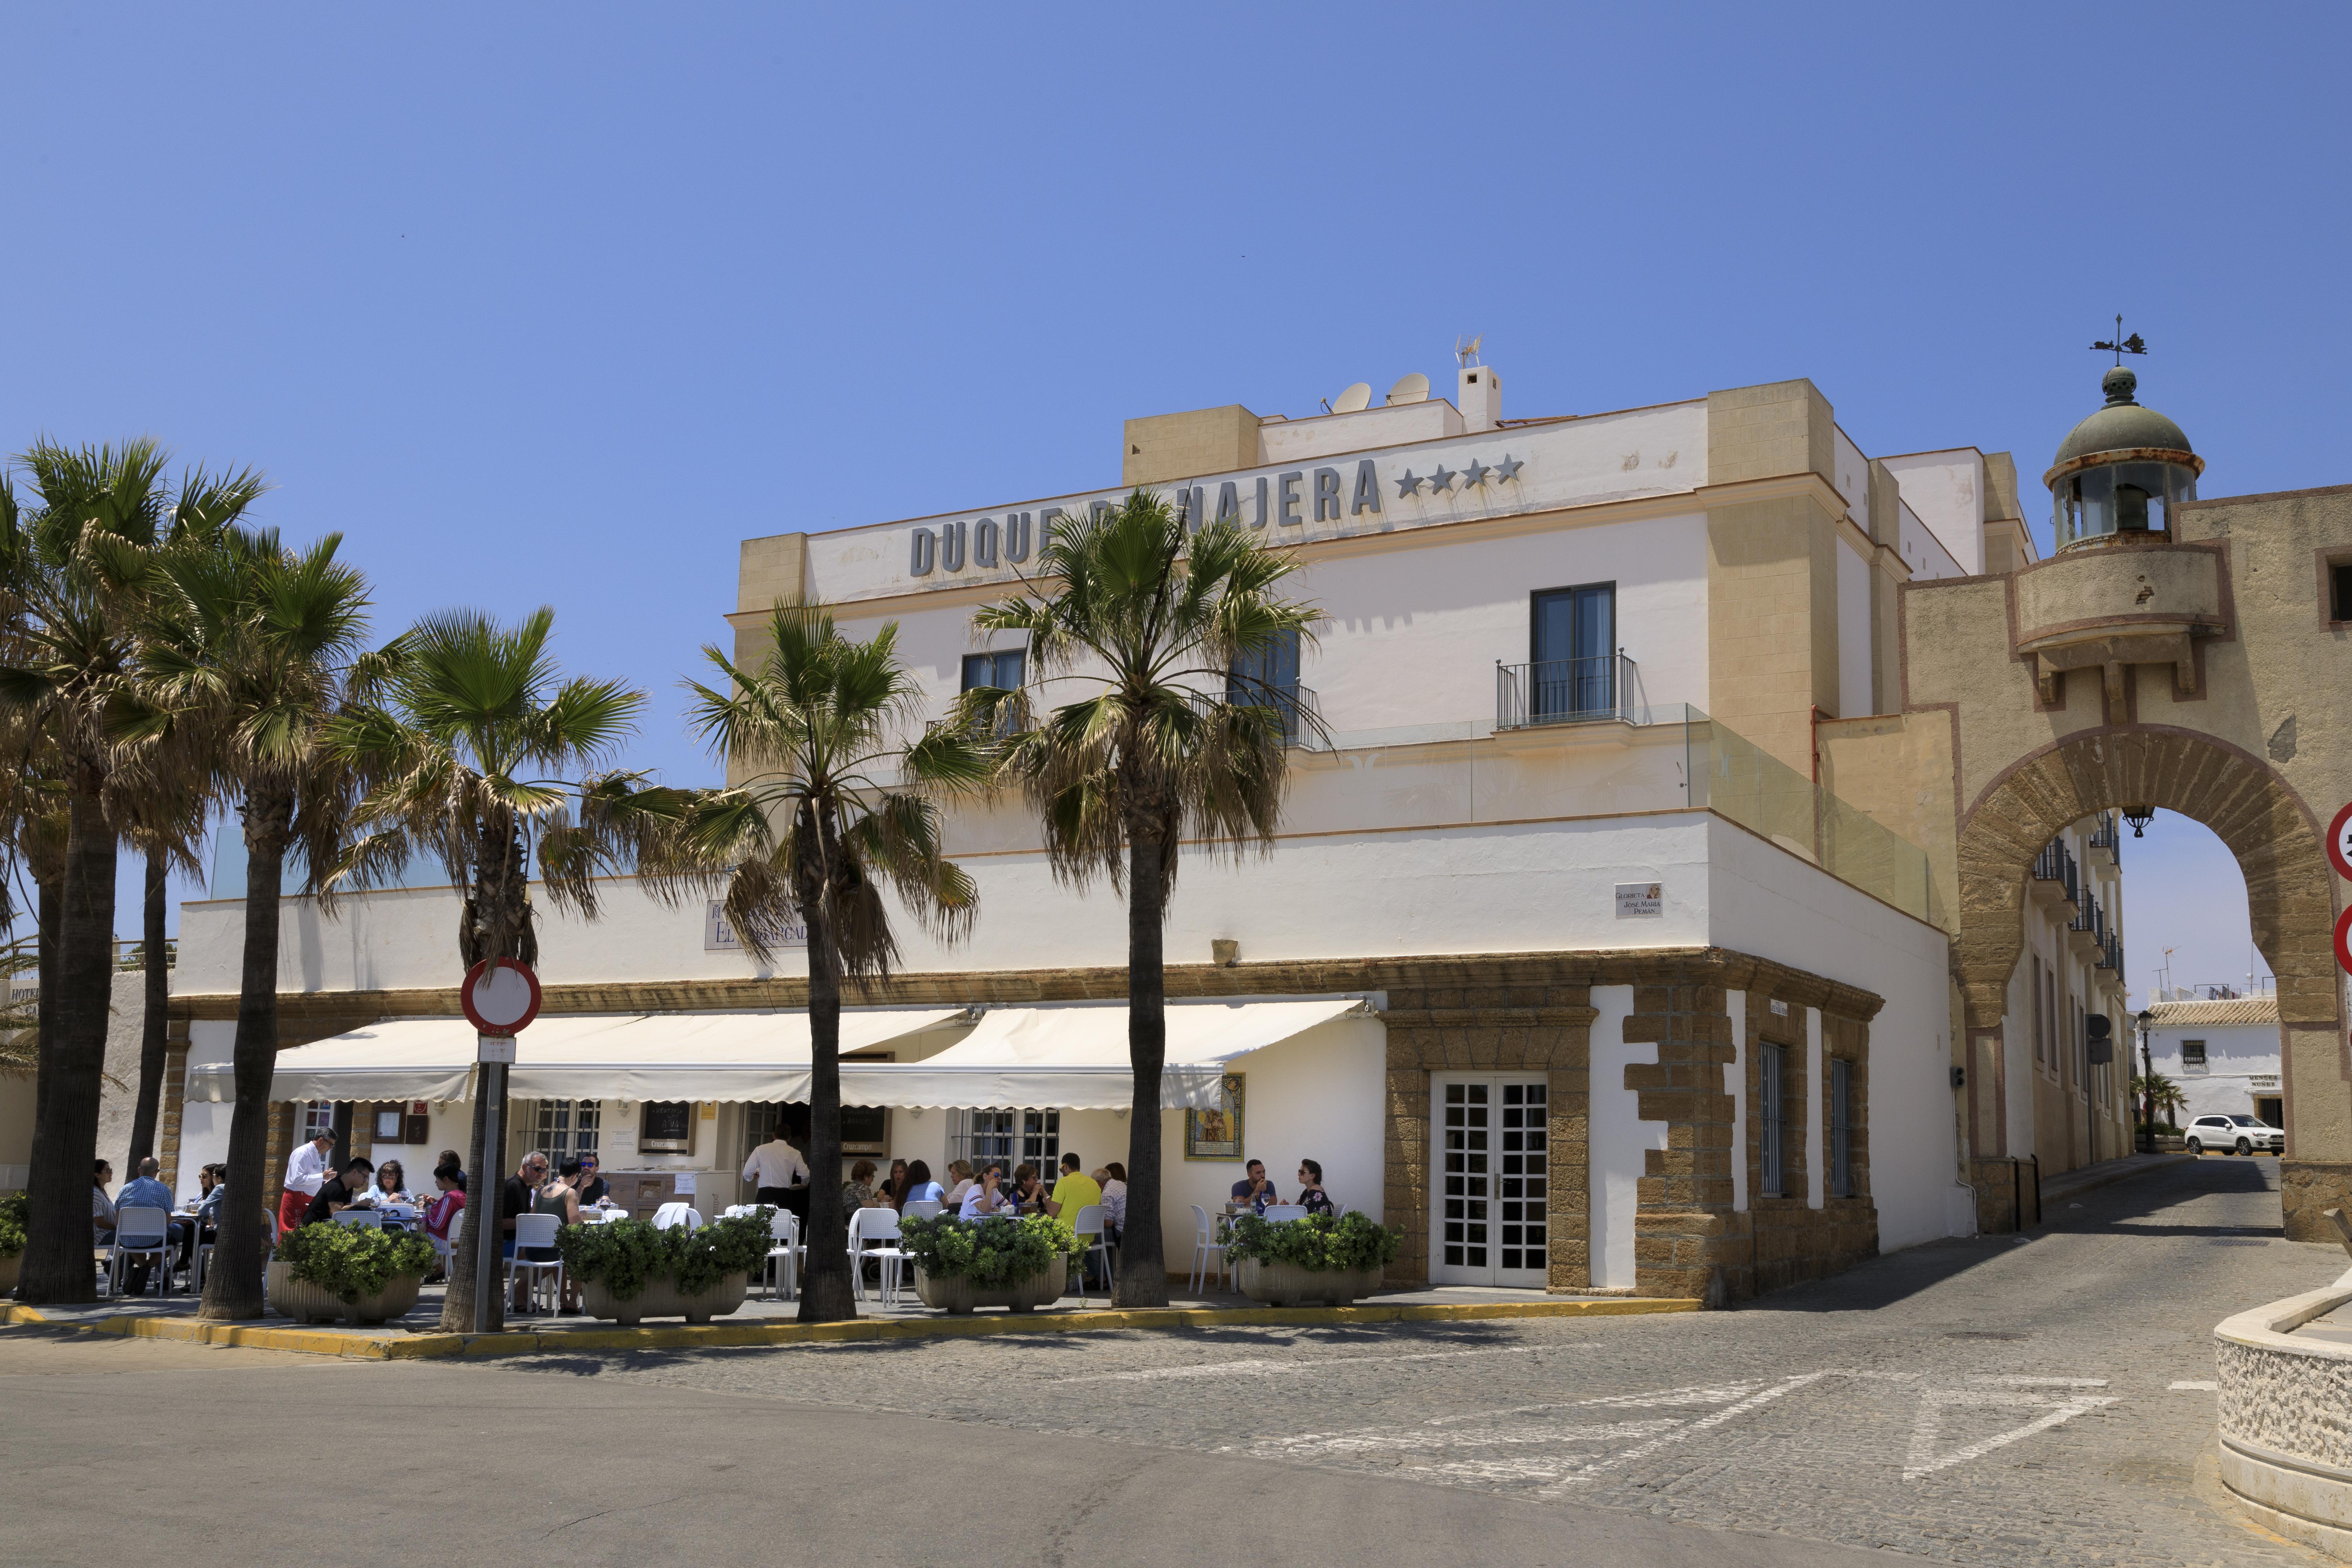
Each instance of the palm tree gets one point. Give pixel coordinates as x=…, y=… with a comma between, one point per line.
x=475, y=752
x=810, y=833
x=73, y=576
x=1175, y=741
x=249, y=648
x=2156, y=1093
x=165, y=826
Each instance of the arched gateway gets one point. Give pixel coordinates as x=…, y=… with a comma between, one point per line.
x=2192, y=655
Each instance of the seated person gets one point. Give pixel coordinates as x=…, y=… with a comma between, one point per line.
x=920, y=1188
x=959, y=1182
x=982, y=1197
x=857, y=1193
x=101, y=1207
x=1113, y=1177
x=1075, y=1191
x=392, y=1185
x=145, y=1192
x=440, y=1216
x=593, y=1188
x=346, y=1189
x=1255, y=1190
x=1311, y=1196
x=1028, y=1194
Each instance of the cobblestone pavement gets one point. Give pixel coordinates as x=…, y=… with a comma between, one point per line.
x=2001, y=1400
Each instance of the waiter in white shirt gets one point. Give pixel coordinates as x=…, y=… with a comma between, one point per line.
x=306, y=1172
x=779, y=1173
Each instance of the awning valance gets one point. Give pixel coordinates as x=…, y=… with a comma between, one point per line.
x=635, y=1057
x=1076, y=1058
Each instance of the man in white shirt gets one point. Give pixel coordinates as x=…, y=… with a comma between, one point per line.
x=776, y=1169
x=306, y=1172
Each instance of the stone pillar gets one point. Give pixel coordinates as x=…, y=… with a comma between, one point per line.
x=1685, y=1210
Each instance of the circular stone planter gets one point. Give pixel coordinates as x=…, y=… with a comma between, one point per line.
x=308, y=1303
x=1289, y=1285
x=958, y=1296
x=8, y=1270
x=662, y=1298
x=2286, y=1419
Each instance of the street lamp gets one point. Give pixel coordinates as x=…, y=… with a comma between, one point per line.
x=2147, y=1088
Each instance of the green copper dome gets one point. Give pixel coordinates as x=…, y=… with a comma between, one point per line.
x=2122, y=425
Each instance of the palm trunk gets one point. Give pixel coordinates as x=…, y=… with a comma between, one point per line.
x=241, y=1248
x=825, y=1293
x=496, y=923
x=58, y=1266
x=156, y=1021
x=457, y=1299
x=1142, y=1255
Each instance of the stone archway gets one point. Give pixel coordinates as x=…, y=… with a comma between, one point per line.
x=2290, y=897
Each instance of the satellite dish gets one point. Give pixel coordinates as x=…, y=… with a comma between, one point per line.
x=1413, y=388
x=1358, y=396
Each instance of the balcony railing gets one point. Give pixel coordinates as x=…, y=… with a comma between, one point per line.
x=2086, y=919
x=1563, y=692
x=2111, y=954
x=2104, y=836
x=2056, y=863
x=1296, y=706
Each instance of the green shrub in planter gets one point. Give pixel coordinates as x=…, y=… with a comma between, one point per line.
x=13, y=1210
x=623, y=1255
x=350, y=1262
x=1319, y=1241
x=992, y=1252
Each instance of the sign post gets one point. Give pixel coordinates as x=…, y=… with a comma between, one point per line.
x=500, y=1002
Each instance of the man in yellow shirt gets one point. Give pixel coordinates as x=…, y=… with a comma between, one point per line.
x=1074, y=1192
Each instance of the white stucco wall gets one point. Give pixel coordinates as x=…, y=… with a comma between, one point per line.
x=2241, y=1063
x=1619, y=1138
x=1947, y=489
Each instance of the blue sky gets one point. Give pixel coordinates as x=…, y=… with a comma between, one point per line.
x=542, y=304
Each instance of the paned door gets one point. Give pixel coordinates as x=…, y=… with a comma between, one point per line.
x=1491, y=1198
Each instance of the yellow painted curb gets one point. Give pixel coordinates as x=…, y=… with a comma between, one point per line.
x=715, y=1336
x=11, y=1313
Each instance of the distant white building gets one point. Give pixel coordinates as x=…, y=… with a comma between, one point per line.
x=2224, y=1054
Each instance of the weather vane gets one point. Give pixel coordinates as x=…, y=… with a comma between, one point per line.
x=2122, y=345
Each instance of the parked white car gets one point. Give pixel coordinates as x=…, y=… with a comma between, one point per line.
x=2234, y=1134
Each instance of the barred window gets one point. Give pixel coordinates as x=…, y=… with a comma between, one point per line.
x=1006, y=1136
x=1772, y=1114
x=1841, y=1128
x=567, y=1127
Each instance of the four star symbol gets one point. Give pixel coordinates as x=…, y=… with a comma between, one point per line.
x=1474, y=477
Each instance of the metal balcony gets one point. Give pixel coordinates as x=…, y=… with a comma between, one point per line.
x=1563, y=692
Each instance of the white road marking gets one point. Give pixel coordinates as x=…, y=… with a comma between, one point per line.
x=1924, y=1461
x=1718, y=1394
x=2196, y=1384
x=1754, y=1401
x=1260, y=1368
x=2039, y=1382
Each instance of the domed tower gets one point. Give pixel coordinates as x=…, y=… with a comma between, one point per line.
x=2121, y=472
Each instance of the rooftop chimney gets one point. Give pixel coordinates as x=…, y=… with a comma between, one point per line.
x=1480, y=397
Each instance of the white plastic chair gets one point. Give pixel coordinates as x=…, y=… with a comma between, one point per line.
x=1274, y=1211
x=1205, y=1246
x=925, y=1208
x=874, y=1225
x=140, y=1232
x=1090, y=1224
x=784, y=1230
x=670, y=1216
x=537, y=1230
x=361, y=1219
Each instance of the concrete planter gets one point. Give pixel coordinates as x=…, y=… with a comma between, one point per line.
x=2285, y=1411
x=662, y=1298
x=8, y=1268
x=1291, y=1285
x=958, y=1296
x=308, y=1303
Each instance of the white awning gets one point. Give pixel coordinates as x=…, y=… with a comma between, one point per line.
x=635, y=1057
x=1076, y=1057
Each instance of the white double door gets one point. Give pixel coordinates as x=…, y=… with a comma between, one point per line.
x=1489, y=1224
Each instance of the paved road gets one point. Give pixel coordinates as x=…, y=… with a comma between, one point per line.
x=1983, y=1401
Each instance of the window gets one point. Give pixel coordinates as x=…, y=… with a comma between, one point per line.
x=1574, y=652
x=1006, y=1136
x=2339, y=583
x=1773, y=1114
x=1001, y=669
x=2038, y=1054
x=317, y=1119
x=1269, y=678
x=1841, y=1128
x=564, y=1127
x=2049, y=1009
x=2192, y=1056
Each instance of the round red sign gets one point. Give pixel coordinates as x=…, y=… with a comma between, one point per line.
x=500, y=1000
x=2339, y=843
x=2344, y=942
